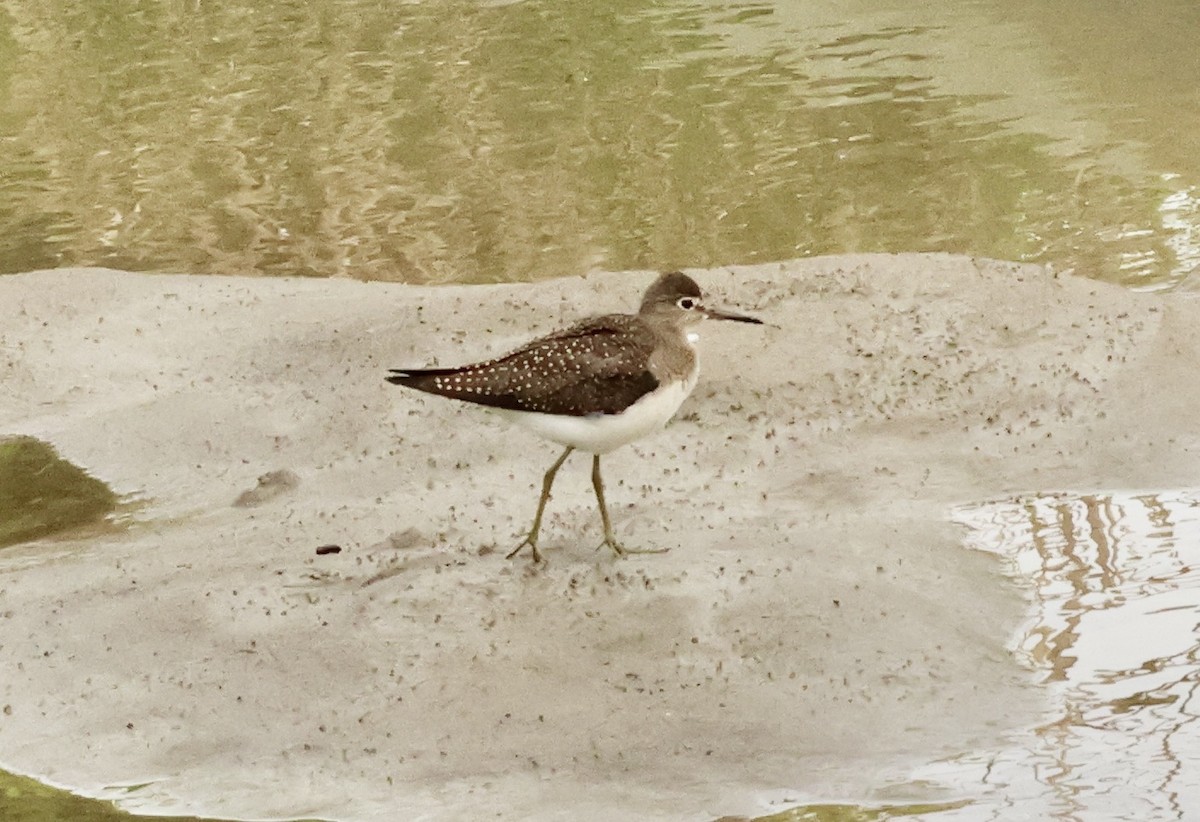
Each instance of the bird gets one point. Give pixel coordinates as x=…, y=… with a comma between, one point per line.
x=594, y=386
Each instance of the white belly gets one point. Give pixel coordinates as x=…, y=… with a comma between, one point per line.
x=602, y=433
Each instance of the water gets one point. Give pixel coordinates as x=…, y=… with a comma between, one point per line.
x=1115, y=638
x=484, y=141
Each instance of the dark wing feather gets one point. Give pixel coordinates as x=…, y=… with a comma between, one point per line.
x=599, y=366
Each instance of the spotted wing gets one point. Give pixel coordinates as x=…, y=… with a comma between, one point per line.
x=599, y=366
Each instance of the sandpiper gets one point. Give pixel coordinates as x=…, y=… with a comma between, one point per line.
x=595, y=386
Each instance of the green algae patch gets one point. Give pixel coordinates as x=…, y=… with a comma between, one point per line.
x=23, y=799
x=42, y=494
x=859, y=813
x=26, y=800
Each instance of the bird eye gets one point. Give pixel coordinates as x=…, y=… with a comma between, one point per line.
x=686, y=303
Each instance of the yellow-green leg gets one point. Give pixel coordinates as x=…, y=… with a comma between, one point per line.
x=609, y=540
x=547, y=482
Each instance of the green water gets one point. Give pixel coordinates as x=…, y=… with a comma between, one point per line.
x=862, y=813
x=41, y=494
x=480, y=141
x=26, y=800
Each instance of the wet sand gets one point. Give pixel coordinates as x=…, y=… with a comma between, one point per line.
x=816, y=629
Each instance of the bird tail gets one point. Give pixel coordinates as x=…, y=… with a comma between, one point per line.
x=421, y=379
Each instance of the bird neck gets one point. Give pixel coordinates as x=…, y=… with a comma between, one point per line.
x=674, y=356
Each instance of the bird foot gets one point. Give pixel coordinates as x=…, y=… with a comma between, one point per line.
x=532, y=543
x=616, y=547
x=621, y=550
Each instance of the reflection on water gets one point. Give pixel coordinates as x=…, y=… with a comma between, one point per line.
x=1115, y=587
x=473, y=140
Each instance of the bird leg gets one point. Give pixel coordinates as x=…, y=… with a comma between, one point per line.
x=547, y=481
x=609, y=540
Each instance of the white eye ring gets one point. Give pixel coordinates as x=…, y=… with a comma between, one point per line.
x=687, y=303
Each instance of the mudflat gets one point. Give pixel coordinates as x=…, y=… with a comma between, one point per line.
x=817, y=628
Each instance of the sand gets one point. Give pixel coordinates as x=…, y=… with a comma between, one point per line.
x=816, y=630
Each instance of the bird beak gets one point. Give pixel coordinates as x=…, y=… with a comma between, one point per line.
x=722, y=314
